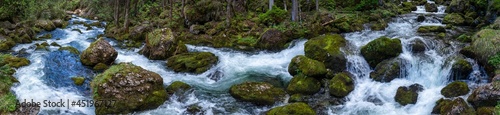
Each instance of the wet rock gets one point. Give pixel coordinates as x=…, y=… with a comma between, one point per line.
x=131, y=87
x=419, y=2
x=196, y=62
x=440, y=103
x=381, y=49
x=379, y=25
x=273, y=40
x=161, y=44
x=6, y=44
x=100, y=67
x=293, y=108
x=454, y=19
x=409, y=6
x=455, y=89
x=420, y=18
x=78, y=80
x=408, y=95
x=467, y=52
x=70, y=49
x=46, y=36
x=457, y=6
x=326, y=49
x=303, y=65
x=341, y=85
x=431, y=7
x=486, y=111
x=60, y=23
x=45, y=25
x=486, y=95
x=302, y=84
x=259, y=93
x=485, y=45
x=418, y=46
x=461, y=69
x=99, y=51
x=387, y=70
x=456, y=107
x=296, y=98
x=194, y=109
x=427, y=29
x=55, y=44
x=177, y=86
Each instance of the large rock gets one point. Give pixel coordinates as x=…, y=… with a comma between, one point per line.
x=131, y=87
x=427, y=29
x=302, y=84
x=292, y=109
x=273, y=40
x=45, y=24
x=387, y=70
x=487, y=95
x=484, y=46
x=309, y=67
x=195, y=62
x=417, y=46
x=326, y=49
x=408, y=6
x=455, y=89
x=457, y=6
x=431, y=7
x=453, y=107
x=99, y=51
x=454, y=19
x=461, y=69
x=259, y=93
x=161, y=44
x=381, y=49
x=341, y=85
x=419, y=2
x=408, y=95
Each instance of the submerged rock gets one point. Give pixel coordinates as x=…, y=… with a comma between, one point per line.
x=381, y=49
x=292, y=109
x=99, y=51
x=196, y=62
x=420, y=18
x=161, y=44
x=455, y=89
x=326, y=49
x=301, y=84
x=387, y=70
x=131, y=87
x=259, y=93
x=70, y=49
x=417, y=46
x=309, y=67
x=341, y=85
x=78, y=80
x=408, y=95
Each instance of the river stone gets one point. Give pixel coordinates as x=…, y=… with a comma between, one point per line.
x=381, y=49
x=456, y=106
x=461, y=69
x=326, y=49
x=455, y=89
x=177, y=86
x=309, y=67
x=99, y=51
x=161, y=44
x=487, y=95
x=417, y=46
x=431, y=7
x=195, y=62
x=387, y=70
x=341, y=85
x=45, y=24
x=301, y=84
x=484, y=46
x=131, y=87
x=408, y=95
x=298, y=108
x=454, y=19
x=427, y=29
x=420, y=18
x=259, y=93
x=273, y=40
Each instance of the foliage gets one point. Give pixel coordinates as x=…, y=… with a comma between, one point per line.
x=495, y=60
x=274, y=16
x=31, y=9
x=249, y=40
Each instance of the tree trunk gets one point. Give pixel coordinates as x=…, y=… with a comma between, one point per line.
x=271, y=4
x=182, y=11
x=284, y=4
x=127, y=9
x=228, y=12
x=295, y=10
x=317, y=5
x=171, y=9
x=117, y=12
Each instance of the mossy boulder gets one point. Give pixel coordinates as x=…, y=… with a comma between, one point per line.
x=132, y=87
x=409, y=6
x=302, y=84
x=487, y=111
x=484, y=46
x=454, y=89
x=72, y=50
x=292, y=109
x=487, y=95
x=309, y=67
x=458, y=6
x=341, y=85
x=177, y=86
x=273, y=40
x=6, y=43
x=78, y=80
x=45, y=36
x=456, y=106
x=468, y=52
x=297, y=98
x=408, y=95
x=417, y=46
x=419, y=2
x=461, y=69
x=45, y=24
x=259, y=93
x=427, y=29
x=387, y=70
x=381, y=49
x=161, y=44
x=431, y=7
x=326, y=49
x=454, y=19
x=379, y=25
x=100, y=67
x=8, y=100
x=195, y=62
x=99, y=51
x=59, y=23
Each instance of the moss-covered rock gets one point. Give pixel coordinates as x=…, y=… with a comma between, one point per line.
x=458, y=6
x=45, y=36
x=381, y=49
x=70, y=49
x=45, y=24
x=177, y=86
x=487, y=111
x=464, y=38
x=99, y=51
x=417, y=46
x=486, y=95
x=309, y=67
x=456, y=107
x=273, y=40
x=455, y=89
x=419, y=2
x=461, y=69
x=302, y=84
x=59, y=23
x=484, y=46
x=259, y=93
x=468, y=52
x=131, y=87
x=454, y=19
x=427, y=29
x=326, y=49
x=161, y=44
x=196, y=62
x=78, y=80
x=409, y=6
x=100, y=67
x=8, y=100
x=292, y=109
x=440, y=103
x=379, y=25
x=387, y=70
x=341, y=85
x=408, y=95
x=6, y=43
x=297, y=98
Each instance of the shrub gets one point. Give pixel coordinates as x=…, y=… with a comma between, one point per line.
x=273, y=16
x=495, y=61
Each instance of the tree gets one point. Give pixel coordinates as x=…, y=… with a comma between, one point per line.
x=228, y=12
x=295, y=10
x=117, y=12
x=271, y=4
x=317, y=5
x=127, y=10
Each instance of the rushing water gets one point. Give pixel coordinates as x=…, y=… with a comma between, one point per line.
x=48, y=77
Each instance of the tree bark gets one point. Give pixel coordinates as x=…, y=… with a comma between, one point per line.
x=127, y=9
x=171, y=9
x=317, y=5
x=295, y=10
x=271, y=4
x=284, y=4
x=117, y=12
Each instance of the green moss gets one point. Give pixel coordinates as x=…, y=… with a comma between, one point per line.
x=427, y=29
x=386, y=71
x=259, y=93
x=457, y=106
x=455, y=89
x=70, y=49
x=381, y=49
x=461, y=69
x=12, y=61
x=292, y=109
x=454, y=19
x=100, y=66
x=405, y=96
x=197, y=62
x=7, y=102
x=306, y=66
x=296, y=98
x=78, y=80
x=177, y=86
x=301, y=84
x=326, y=49
x=495, y=60
x=157, y=35
x=441, y=35
x=487, y=111
x=247, y=41
x=341, y=85
x=464, y=38
x=274, y=16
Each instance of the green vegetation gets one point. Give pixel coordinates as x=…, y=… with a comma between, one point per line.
x=274, y=16
x=495, y=60
x=7, y=64
x=292, y=109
